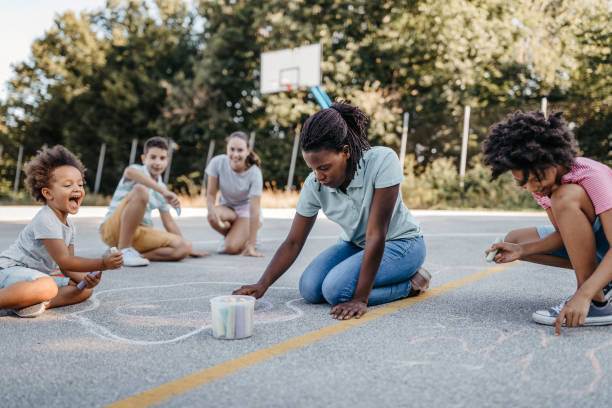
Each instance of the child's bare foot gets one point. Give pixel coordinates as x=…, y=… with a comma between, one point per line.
x=419, y=282
x=199, y=254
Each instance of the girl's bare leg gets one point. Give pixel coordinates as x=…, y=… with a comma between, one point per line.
x=237, y=236
x=575, y=215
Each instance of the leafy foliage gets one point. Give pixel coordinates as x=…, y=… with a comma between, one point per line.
x=139, y=68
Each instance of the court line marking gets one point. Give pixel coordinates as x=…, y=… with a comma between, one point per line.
x=182, y=385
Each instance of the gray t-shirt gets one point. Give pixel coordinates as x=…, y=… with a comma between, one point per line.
x=236, y=188
x=29, y=250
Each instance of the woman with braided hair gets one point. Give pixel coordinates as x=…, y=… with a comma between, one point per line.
x=380, y=252
x=576, y=193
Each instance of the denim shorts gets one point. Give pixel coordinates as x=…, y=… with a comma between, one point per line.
x=14, y=274
x=601, y=242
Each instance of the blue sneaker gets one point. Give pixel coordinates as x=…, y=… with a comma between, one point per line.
x=598, y=316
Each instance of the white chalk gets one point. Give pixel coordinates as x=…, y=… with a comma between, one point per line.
x=82, y=283
x=218, y=319
x=221, y=224
x=492, y=254
x=230, y=324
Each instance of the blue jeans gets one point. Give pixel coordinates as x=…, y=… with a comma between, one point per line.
x=332, y=276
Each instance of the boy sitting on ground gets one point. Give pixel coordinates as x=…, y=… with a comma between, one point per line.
x=128, y=224
x=54, y=177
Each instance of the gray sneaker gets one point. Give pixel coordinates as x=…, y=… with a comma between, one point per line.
x=31, y=311
x=598, y=316
x=607, y=290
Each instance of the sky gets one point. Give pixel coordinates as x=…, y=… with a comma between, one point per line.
x=23, y=21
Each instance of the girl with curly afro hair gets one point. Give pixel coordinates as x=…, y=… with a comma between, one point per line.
x=576, y=193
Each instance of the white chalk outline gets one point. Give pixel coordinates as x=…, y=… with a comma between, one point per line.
x=105, y=333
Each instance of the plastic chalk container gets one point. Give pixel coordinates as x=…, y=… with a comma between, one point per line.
x=232, y=316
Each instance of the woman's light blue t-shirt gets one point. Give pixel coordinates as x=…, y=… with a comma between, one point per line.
x=380, y=168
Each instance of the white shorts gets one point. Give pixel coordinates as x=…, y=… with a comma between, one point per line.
x=242, y=211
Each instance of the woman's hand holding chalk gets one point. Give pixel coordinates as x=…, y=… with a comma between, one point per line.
x=492, y=254
x=82, y=283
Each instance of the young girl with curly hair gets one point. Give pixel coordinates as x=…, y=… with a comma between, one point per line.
x=576, y=193
x=55, y=178
x=380, y=252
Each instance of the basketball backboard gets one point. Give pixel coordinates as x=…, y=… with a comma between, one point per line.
x=290, y=69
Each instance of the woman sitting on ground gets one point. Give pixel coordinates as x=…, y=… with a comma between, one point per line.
x=379, y=256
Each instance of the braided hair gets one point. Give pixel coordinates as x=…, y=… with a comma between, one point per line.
x=335, y=127
x=529, y=142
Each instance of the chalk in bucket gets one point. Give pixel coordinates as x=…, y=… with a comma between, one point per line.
x=232, y=316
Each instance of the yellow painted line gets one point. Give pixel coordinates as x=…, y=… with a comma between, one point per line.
x=173, y=388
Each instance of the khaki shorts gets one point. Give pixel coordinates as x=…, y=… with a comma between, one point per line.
x=145, y=238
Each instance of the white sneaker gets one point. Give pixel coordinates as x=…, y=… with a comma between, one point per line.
x=132, y=257
x=31, y=311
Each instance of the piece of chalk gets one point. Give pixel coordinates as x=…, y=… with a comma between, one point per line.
x=218, y=319
x=492, y=254
x=221, y=224
x=230, y=328
x=178, y=211
x=82, y=283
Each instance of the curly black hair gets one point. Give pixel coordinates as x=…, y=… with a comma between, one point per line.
x=333, y=128
x=529, y=142
x=39, y=170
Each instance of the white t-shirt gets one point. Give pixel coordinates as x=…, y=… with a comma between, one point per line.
x=29, y=250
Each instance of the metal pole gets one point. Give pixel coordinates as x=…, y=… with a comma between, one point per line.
x=211, y=150
x=99, y=170
x=544, y=107
x=133, y=151
x=170, y=150
x=464, y=143
x=296, y=141
x=404, y=140
x=252, y=141
x=18, y=172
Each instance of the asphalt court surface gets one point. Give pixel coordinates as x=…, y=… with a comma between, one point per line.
x=145, y=333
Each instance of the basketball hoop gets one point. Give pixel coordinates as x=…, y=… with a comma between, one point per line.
x=286, y=83
x=290, y=69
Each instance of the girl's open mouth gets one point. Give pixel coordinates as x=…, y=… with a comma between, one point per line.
x=74, y=202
